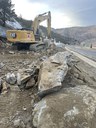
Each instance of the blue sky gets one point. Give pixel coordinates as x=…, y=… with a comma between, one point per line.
x=65, y=13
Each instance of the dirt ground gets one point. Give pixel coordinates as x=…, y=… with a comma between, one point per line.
x=16, y=105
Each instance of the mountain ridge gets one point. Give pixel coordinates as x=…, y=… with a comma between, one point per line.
x=78, y=33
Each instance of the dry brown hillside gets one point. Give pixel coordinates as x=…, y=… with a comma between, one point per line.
x=78, y=33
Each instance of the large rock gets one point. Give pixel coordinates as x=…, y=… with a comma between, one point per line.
x=70, y=108
x=52, y=73
x=11, y=78
x=30, y=83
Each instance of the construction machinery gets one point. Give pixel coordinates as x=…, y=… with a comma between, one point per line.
x=30, y=38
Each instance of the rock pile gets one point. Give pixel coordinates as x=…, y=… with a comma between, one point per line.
x=72, y=107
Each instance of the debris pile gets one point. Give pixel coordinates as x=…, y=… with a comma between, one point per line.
x=23, y=78
x=61, y=105
x=45, y=89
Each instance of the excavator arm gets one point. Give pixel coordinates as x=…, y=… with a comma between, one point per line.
x=40, y=18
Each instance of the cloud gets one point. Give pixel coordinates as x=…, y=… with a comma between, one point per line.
x=29, y=10
x=65, y=13
x=80, y=10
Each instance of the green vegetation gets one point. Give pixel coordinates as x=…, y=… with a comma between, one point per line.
x=6, y=11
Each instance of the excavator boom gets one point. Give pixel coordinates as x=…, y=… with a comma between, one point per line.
x=40, y=18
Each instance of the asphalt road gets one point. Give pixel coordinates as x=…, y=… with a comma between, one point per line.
x=89, y=53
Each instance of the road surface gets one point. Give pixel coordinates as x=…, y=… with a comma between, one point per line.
x=89, y=53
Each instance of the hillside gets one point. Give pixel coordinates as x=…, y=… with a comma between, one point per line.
x=58, y=37
x=24, y=22
x=78, y=33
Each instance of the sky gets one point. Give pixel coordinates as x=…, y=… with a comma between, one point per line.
x=64, y=13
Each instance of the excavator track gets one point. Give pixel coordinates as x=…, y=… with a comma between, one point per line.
x=20, y=46
x=37, y=47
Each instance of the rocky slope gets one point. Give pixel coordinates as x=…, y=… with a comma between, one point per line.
x=59, y=37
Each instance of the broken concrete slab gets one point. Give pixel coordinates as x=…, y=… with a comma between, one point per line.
x=52, y=73
x=70, y=108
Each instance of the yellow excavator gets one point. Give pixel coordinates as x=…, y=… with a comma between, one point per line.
x=30, y=38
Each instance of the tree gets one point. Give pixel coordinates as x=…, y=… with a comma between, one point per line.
x=6, y=10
